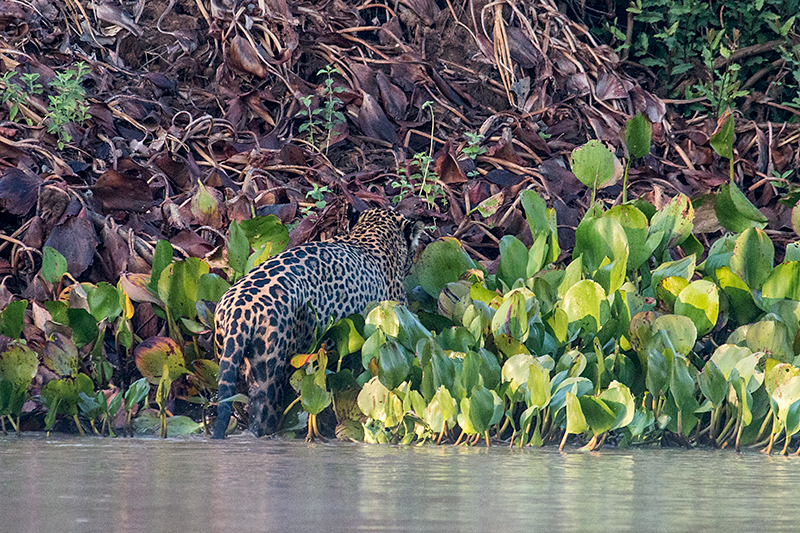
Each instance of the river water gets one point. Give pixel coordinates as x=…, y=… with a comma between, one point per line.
x=63, y=483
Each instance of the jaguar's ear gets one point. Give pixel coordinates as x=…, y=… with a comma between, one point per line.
x=412, y=229
x=352, y=215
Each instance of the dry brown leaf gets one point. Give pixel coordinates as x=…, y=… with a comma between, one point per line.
x=18, y=191
x=242, y=57
x=373, y=121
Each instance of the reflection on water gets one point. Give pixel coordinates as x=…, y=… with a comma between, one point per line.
x=243, y=484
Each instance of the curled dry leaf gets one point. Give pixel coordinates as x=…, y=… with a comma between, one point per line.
x=18, y=191
x=447, y=167
x=120, y=192
x=373, y=121
x=76, y=239
x=243, y=57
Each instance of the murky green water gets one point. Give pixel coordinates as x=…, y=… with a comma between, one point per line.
x=67, y=484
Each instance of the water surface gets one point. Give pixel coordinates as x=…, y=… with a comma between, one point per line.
x=65, y=483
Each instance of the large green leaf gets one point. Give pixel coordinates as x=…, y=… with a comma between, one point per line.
x=735, y=212
x=394, y=364
x=637, y=133
x=722, y=139
x=634, y=222
x=513, y=260
x=593, y=164
x=441, y=262
x=54, y=266
x=782, y=283
x=586, y=305
x=153, y=353
x=753, y=257
x=12, y=318
x=676, y=220
x=313, y=397
x=266, y=229
x=599, y=238
x=680, y=330
x=597, y=414
x=700, y=302
x=178, y=286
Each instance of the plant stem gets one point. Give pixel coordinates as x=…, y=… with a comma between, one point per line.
x=625, y=182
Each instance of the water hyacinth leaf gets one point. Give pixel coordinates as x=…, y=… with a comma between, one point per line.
x=153, y=353
x=206, y=372
x=83, y=325
x=713, y=383
x=637, y=135
x=577, y=386
x=103, y=301
x=313, y=397
x=454, y=298
x=735, y=212
x=54, y=265
x=161, y=258
x=753, y=257
x=576, y=421
x=789, y=313
x=481, y=409
x=597, y=415
x=782, y=283
x=726, y=357
x=537, y=255
x=538, y=386
x=785, y=395
x=211, y=287
x=683, y=268
x=771, y=336
x=593, y=164
x=182, y=425
x=792, y=252
x=442, y=262
x=669, y=289
x=60, y=355
x=599, y=238
x=700, y=302
x=586, y=305
x=676, y=220
x=634, y=223
x=263, y=230
x=722, y=139
x=136, y=393
x=238, y=248
x=743, y=307
x=682, y=385
x=680, y=330
x=791, y=420
x=18, y=366
x=410, y=330
x=640, y=329
x=12, y=318
x=619, y=399
x=572, y=275
x=206, y=206
x=779, y=374
x=658, y=372
x=513, y=260
x=536, y=212
x=516, y=371
x=178, y=286
x=382, y=317
x=347, y=338
x=394, y=364
x=512, y=318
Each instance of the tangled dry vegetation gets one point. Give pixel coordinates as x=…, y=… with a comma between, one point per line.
x=202, y=112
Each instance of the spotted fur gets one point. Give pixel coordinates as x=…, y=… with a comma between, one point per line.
x=264, y=319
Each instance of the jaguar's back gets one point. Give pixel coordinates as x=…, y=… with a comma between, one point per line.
x=264, y=319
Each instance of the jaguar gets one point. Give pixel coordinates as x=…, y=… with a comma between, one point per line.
x=265, y=318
